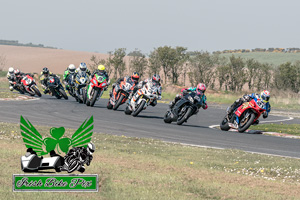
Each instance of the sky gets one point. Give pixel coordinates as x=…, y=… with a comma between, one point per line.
x=102, y=26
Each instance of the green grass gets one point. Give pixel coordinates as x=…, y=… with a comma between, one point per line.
x=266, y=57
x=293, y=129
x=3, y=73
x=135, y=168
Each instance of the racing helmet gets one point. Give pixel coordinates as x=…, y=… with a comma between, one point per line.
x=82, y=67
x=101, y=68
x=265, y=96
x=90, y=148
x=45, y=71
x=17, y=73
x=11, y=70
x=201, y=88
x=135, y=77
x=71, y=68
x=156, y=78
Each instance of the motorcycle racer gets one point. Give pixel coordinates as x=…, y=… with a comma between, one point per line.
x=82, y=68
x=133, y=80
x=264, y=96
x=199, y=90
x=70, y=70
x=45, y=73
x=11, y=78
x=101, y=72
x=154, y=81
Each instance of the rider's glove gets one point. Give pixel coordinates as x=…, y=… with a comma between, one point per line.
x=184, y=92
x=43, y=86
x=159, y=97
x=105, y=88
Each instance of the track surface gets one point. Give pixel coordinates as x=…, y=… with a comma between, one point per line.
x=70, y=114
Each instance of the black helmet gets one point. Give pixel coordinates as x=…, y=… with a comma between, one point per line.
x=135, y=76
x=45, y=71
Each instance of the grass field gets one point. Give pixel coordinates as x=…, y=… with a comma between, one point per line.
x=293, y=129
x=267, y=57
x=135, y=168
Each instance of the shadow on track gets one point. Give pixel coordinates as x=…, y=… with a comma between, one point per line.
x=150, y=117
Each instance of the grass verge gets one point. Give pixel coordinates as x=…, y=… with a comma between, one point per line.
x=135, y=168
x=293, y=129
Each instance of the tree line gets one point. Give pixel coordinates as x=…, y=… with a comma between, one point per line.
x=179, y=67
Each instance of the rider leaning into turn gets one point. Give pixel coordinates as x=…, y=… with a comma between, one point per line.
x=264, y=96
x=70, y=70
x=154, y=81
x=133, y=80
x=199, y=90
x=82, y=68
x=101, y=72
x=11, y=78
x=44, y=79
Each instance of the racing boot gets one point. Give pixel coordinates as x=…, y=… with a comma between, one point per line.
x=11, y=88
x=255, y=123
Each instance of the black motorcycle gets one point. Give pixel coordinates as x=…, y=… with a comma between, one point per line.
x=56, y=87
x=183, y=109
x=71, y=83
x=81, y=81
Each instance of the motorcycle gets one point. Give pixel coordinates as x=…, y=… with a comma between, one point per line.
x=183, y=109
x=56, y=87
x=81, y=80
x=120, y=97
x=30, y=86
x=147, y=95
x=71, y=84
x=243, y=116
x=95, y=89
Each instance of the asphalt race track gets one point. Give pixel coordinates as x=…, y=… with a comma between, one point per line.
x=70, y=114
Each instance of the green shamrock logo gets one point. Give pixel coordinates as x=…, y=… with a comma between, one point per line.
x=33, y=139
x=55, y=142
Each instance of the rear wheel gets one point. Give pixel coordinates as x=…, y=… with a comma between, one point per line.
x=246, y=123
x=118, y=102
x=139, y=108
x=94, y=98
x=36, y=90
x=63, y=94
x=167, y=117
x=224, y=126
x=184, y=116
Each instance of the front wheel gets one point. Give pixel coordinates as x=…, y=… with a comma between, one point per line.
x=118, y=102
x=224, y=126
x=36, y=90
x=94, y=98
x=63, y=94
x=127, y=111
x=84, y=95
x=185, y=116
x=139, y=109
x=243, y=126
x=167, y=117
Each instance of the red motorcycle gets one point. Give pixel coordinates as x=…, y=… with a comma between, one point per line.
x=243, y=116
x=95, y=89
x=30, y=86
x=120, y=94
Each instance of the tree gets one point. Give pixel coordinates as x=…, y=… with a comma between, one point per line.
x=203, y=66
x=180, y=60
x=252, y=72
x=138, y=62
x=167, y=57
x=116, y=59
x=154, y=64
x=287, y=77
x=237, y=73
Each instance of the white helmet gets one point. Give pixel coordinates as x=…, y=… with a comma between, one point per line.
x=82, y=67
x=72, y=68
x=90, y=148
x=11, y=70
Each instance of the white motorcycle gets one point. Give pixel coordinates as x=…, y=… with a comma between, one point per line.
x=147, y=95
